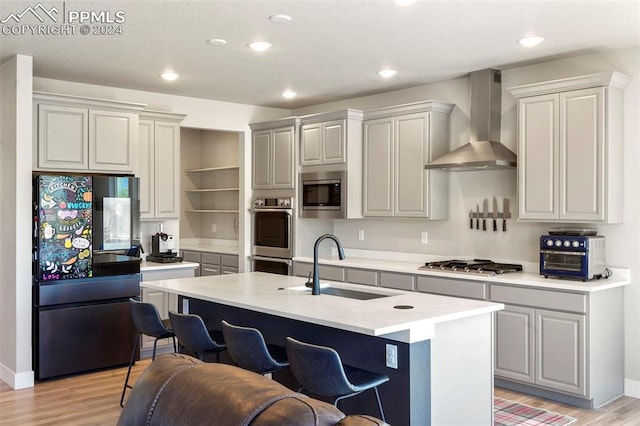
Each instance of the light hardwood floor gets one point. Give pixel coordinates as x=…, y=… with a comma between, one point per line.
x=94, y=399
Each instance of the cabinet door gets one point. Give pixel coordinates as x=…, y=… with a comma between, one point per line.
x=112, y=140
x=582, y=155
x=283, y=160
x=410, y=153
x=63, y=137
x=310, y=144
x=334, y=142
x=514, y=344
x=378, y=167
x=161, y=301
x=146, y=168
x=208, y=269
x=538, y=157
x=560, y=351
x=261, y=159
x=167, y=170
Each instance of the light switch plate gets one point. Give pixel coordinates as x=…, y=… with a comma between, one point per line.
x=392, y=356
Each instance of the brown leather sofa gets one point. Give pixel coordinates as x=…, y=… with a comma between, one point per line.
x=176, y=389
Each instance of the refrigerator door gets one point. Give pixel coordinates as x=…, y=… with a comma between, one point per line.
x=65, y=224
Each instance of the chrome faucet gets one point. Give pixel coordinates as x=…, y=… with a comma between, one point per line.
x=316, y=276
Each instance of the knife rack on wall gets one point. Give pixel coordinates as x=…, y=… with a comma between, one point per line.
x=495, y=214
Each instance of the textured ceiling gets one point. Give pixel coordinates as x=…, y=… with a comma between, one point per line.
x=330, y=50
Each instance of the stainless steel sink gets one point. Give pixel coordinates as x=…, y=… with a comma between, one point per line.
x=343, y=292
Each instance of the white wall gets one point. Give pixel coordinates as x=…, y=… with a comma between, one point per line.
x=15, y=221
x=520, y=243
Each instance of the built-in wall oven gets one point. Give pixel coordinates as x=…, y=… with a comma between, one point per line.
x=272, y=245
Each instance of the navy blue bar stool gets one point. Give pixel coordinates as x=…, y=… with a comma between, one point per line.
x=248, y=350
x=319, y=369
x=147, y=321
x=193, y=335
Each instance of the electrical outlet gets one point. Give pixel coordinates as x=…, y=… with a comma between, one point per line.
x=424, y=238
x=360, y=234
x=392, y=356
x=185, y=306
x=214, y=228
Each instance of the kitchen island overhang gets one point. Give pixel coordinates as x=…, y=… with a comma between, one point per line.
x=444, y=345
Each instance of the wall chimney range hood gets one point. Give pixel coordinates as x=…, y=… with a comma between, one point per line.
x=483, y=152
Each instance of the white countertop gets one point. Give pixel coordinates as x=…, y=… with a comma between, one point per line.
x=272, y=294
x=619, y=278
x=155, y=266
x=210, y=245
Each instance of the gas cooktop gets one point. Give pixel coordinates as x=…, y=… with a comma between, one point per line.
x=474, y=266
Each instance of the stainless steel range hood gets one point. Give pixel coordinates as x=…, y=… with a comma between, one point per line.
x=483, y=152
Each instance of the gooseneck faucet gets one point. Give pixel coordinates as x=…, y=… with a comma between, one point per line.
x=316, y=276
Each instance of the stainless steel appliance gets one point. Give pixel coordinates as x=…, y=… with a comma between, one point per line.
x=475, y=266
x=573, y=256
x=272, y=246
x=323, y=195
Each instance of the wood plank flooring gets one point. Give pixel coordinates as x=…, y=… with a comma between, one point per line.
x=94, y=399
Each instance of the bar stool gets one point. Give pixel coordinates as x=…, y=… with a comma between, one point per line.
x=147, y=321
x=248, y=350
x=193, y=335
x=319, y=369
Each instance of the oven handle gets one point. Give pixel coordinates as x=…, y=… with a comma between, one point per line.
x=573, y=253
x=285, y=211
x=271, y=259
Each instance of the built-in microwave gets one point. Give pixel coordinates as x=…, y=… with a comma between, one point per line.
x=323, y=195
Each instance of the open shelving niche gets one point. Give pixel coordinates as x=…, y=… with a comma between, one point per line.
x=209, y=179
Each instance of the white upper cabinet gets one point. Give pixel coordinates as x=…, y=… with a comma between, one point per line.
x=159, y=165
x=325, y=138
x=398, y=142
x=89, y=135
x=273, y=154
x=570, y=140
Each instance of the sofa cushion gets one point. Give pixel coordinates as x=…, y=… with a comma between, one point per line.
x=179, y=390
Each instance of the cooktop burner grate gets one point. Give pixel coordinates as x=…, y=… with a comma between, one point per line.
x=477, y=266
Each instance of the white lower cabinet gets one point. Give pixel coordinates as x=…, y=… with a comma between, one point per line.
x=514, y=343
x=163, y=301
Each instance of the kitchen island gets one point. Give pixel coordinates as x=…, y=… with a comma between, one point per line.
x=437, y=350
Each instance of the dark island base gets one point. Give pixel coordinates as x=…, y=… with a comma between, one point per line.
x=406, y=398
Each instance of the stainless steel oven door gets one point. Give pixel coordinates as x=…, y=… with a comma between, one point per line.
x=272, y=233
x=271, y=265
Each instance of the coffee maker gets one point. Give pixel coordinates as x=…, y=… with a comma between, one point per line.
x=162, y=246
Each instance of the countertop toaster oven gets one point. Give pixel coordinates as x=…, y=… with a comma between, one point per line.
x=573, y=256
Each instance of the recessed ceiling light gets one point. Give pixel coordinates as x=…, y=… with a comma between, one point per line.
x=217, y=42
x=531, y=41
x=169, y=75
x=260, y=46
x=280, y=18
x=289, y=94
x=404, y=2
x=387, y=73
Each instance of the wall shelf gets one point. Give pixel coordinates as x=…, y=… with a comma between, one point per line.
x=212, y=169
x=211, y=211
x=211, y=190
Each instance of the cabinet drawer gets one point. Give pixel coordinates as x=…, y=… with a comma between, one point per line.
x=211, y=258
x=362, y=276
x=191, y=256
x=539, y=298
x=327, y=272
x=229, y=260
x=229, y=270
x=210, y=269
x=449, y=287
x=399, y=281
x=168, y=274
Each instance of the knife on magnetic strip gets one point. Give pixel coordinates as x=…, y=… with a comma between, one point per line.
x=485, y=213
x=505, y=213
x=495, y=214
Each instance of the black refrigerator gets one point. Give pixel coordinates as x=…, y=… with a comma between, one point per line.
x=83, y=276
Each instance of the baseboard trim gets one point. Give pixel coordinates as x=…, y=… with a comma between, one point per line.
x=16, y=380
x=632, y=388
